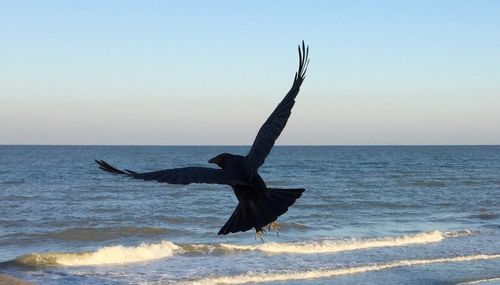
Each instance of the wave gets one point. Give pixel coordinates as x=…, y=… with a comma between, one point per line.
x=13, y=182
x=101, y=234
x=431, y=183
x=485, y=216
x=331, y=246
x=479, y=281
x=119, y=254
x=325, y=273
x=107, y=255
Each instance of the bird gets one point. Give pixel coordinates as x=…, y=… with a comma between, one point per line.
x=258, y=205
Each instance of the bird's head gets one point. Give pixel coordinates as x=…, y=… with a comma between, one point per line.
x=221, y=159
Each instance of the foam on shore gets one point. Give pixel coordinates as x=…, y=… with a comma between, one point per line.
x=117, y=254
x=331, y=246
x=325, y=273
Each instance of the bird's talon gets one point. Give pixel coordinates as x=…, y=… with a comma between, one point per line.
x=274, y=227
x=260, y=234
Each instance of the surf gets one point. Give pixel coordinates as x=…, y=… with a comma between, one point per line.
x=117, y=254
x=332, y=245
x=326, y=273
x=479, y=281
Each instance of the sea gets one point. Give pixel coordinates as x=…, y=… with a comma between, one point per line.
x=369, y=215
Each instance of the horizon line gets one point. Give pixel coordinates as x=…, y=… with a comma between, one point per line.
x=244, y=145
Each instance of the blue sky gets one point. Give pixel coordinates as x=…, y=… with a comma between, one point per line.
x=210, y=72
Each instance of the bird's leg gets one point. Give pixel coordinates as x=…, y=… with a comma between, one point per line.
x=274, y=227
x=259, y=232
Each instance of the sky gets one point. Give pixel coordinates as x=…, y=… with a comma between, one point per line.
x=210, y=72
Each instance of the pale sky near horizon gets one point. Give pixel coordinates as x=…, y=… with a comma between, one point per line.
x=210, y=72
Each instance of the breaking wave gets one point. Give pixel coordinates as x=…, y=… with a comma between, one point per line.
x=119, y=254
x=325, y=273
x=107, y=255
x=331, y=246
x=487, y=280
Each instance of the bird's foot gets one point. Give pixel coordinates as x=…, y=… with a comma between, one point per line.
x=259, y=233
x=274, y=227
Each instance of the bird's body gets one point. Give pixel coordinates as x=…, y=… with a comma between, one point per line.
x=258, y=205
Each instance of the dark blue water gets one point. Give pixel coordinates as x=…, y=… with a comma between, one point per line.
x=374, y=214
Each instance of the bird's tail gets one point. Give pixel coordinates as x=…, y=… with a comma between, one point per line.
x=261, y=210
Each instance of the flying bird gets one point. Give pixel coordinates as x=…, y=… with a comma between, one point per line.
x=258, y=205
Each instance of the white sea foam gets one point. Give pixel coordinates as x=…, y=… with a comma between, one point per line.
x=330, y=246
x=461, y=233
x=117, y=254
x=480, y=281
x=325, y=273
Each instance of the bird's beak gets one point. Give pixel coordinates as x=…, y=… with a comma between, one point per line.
x=213, y=160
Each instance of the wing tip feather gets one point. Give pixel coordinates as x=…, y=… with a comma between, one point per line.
x=103, y=165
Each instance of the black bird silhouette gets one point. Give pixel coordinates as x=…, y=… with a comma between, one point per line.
x=258, y=205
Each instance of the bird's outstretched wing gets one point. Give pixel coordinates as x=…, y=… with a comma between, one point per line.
x=273, y=126
x=185, y=175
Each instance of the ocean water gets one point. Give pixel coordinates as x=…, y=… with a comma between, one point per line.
x=370, y=215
